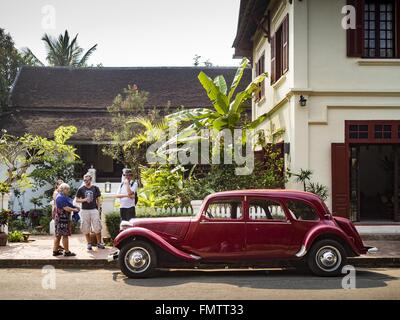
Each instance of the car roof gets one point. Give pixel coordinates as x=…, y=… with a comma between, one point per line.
x=284, y=193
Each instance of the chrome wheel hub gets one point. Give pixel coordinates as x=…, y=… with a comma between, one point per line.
x=137, y=259
x=328, y=258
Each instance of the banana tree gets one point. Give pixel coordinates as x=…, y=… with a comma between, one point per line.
x=227, y=109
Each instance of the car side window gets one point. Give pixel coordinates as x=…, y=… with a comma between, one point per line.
x=224, y=209
x=264, y=209
x=301, y=210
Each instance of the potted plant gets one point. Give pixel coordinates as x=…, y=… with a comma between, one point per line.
x=4, y=217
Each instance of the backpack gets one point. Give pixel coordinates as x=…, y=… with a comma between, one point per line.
x=136, y=195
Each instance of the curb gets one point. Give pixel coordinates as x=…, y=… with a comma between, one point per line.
x=361, y=262
x=61, y=263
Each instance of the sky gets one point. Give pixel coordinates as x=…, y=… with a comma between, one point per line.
x=129, y=32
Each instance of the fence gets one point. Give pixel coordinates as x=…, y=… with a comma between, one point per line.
x=167, y=212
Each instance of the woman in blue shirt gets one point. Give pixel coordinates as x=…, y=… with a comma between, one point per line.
x=64, y=208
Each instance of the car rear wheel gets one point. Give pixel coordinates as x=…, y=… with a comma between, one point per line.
x=137, y=259
x=326, y=258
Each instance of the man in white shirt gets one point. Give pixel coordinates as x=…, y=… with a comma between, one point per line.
x=127, y=195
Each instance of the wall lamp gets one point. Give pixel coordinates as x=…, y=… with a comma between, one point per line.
x=303, y=101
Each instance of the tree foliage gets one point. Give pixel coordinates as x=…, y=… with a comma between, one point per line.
x=131, y=121
x=18, y=154
x=61, y=51
x=10, y=60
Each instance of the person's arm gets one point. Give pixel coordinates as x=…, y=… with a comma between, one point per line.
x=65, y=204
x=98, y=198
x=79, y=197
x=119, y=195
x=69, y=209
x=129, y=189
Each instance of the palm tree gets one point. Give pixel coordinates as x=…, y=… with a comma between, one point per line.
x=61, y=52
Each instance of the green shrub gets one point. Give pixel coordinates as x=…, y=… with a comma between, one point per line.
x=17, y=225
x=16, y=236
x=112, y=222
x=44, y=222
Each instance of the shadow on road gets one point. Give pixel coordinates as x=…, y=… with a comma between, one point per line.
x=258, y=279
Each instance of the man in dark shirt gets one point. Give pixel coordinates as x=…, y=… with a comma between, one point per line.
x=89, y=196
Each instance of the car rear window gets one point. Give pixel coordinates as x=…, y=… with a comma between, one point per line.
x=301, y=210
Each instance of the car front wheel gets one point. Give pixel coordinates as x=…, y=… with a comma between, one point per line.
x=137, y=259
x=326, y=258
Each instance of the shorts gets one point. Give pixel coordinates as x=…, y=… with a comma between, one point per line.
x=127, y=213
x=90, y=221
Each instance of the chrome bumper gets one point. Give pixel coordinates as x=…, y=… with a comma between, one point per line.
x=113, y=256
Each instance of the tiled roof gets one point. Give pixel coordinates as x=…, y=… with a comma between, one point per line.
x=63, y=87
x=43, y=98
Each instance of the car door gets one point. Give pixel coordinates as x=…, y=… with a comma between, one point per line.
x=220, y=232
x=268, y=229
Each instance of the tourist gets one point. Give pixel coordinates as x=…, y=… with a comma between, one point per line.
x=56, y=192
x=89, y=196
x=64, y=208
x=127, y=193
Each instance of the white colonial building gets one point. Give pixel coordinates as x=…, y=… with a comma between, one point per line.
x=335, y=91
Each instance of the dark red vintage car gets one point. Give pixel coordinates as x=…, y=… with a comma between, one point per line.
x=253, y=228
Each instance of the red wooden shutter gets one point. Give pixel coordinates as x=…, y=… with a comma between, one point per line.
x=257, y=68
x=278, y=53
x=273, y=59
x=285, y=44
x=262, y=70
x=355, y=36
x=340, y=180
x=397, y=29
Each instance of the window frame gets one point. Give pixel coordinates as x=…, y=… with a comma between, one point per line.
x=377, y=30
x=205, y=218
x=280, y=50
x=306, y=202
x=395, y=131
x=260, y=69
x=278, y=201
x=355, y=37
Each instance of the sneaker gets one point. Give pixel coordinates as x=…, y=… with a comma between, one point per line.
x=101, y=246
x=69, y=254
x=57, y=253
x=89, y=246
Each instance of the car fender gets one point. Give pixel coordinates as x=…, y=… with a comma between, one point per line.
x=154, y=238
x=319, y=230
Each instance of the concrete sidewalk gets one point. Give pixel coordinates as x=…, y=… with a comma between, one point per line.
x=38, y=252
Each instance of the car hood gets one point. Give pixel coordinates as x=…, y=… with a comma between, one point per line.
x=172, y=229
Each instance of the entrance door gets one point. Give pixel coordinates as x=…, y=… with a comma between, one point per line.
x=373, y=182
x=397, y=184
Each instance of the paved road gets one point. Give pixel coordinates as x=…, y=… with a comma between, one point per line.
x=273, y=284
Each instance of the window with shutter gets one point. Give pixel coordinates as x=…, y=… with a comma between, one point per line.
x=273, y=60
x=280, y=51
x=260, y=69
x=377, y=33
x=285, y=45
